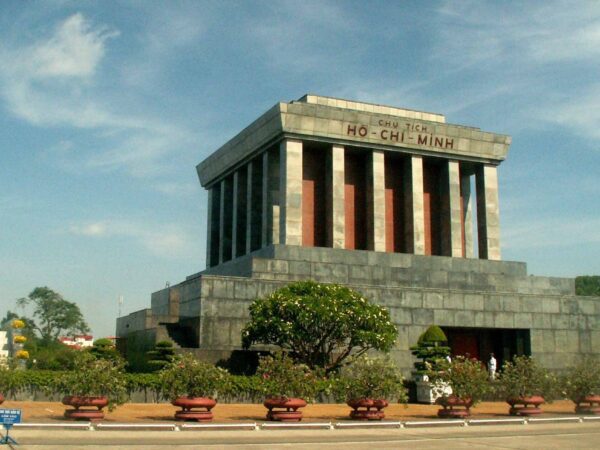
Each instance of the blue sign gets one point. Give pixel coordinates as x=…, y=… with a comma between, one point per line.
x=10, y=416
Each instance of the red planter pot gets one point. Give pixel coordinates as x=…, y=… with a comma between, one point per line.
x=525, y=406
x=85, y=408
x=194, y=408
x=590, y=404
x=1, y=399
x=284, y=409
x=367, y=408
x=454, y=407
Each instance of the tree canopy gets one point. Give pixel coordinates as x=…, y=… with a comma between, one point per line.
x=587, y=285
x=321, y=325
x=54, y=315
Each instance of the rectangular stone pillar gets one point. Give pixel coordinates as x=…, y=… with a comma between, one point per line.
x=467, y=214
x=488, y=212
x=376, y=202
x=456, y=235
x=336, y=223
x=413, y=203
x=209, y=228
x=290, y=205
x=235, y=219
x=266, y=210
x=238, y=239
x=250, y=226
x=222, y=207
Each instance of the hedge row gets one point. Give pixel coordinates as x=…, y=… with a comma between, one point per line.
x=243, y=387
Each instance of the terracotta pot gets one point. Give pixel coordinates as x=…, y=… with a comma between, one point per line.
x=590, y=404
x=525, y=406
x=84, y=407
x=372, y=409
x=189, y=408
x=454, y=407
x=284, y=409
x=1, y=399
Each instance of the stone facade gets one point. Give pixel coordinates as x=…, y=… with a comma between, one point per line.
x=380, y=199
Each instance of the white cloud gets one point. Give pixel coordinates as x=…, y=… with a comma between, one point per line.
x=52, y=82
x=164, y=240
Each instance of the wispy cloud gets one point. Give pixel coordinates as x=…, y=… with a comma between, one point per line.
x=53, y=82
x=166, y=240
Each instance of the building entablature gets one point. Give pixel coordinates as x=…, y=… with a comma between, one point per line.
x=355, y=124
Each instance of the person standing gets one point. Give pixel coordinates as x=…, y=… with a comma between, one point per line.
x=492, y=366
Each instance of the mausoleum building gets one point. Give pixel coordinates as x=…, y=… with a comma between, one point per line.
x=395, y=203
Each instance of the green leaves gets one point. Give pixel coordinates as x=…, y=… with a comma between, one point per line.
x=187, y=376
x=374, y=378
x=523, y=377
x=468, y=378
x=322, y=325
x=281, y=377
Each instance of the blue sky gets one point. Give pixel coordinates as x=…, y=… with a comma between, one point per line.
x=106, y=108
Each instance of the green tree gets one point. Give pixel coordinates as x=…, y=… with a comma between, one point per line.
x=588, y=285
x=161, y=355
x=432, y=348
x=55, y=315
x=320, y=325
x=104, y=348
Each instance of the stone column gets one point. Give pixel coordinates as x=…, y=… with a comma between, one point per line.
x=467, y=213
x=222, y=207
x=336, y=220
x=413, y=203
x=488, y=212
x=456, y=243
x=264, y=229
x=376, y=202
x=235, y=206
x=290, y=205
x=209, y=229
x=249, y=207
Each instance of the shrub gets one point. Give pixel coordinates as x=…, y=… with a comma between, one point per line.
x=94, y=378
x=374, y=378
x=468, y=379
x=583, y=379
x=281, y=377
x=432, y=349
x=187, y=376
x=523, y=377
x=161, y=355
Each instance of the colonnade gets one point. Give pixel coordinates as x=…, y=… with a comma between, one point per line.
x=304, y=193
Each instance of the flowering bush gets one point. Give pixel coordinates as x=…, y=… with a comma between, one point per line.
x=281, y=377
x=94, y=378
x=187, y=376
x=18, y=323
x=19, y=339
x=583, y=379
x=468, y=379
x=323, y=325
x=374, y=378
x=22, y=354
x=523, y=377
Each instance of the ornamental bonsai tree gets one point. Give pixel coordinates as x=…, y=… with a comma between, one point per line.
x=322, y=325
x=582, y=385
x=161, y=355
x=286, y=385
x=93, y=383
x=432, y=348
x=370, y=383
x=190, y=383
x=526, y=385
x=468, y=380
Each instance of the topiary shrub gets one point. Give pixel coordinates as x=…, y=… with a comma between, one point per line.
x=432, y=349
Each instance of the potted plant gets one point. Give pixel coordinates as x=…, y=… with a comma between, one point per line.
x=193, y=385
x=369, y=384
x=287, y=386
x=91, y=386
x=582, y=386
x=433, y=351
x=526, y=386
x=469, y=382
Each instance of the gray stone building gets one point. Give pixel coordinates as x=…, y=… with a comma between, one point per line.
x=395, y=203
